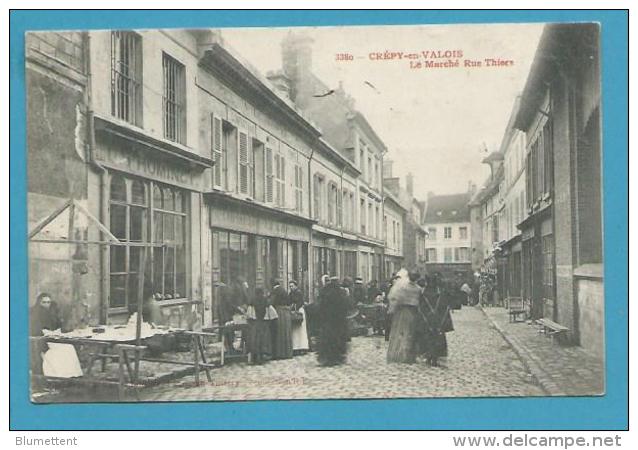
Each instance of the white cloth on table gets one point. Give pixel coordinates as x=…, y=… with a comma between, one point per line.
x=299, y=333
x=61, y=361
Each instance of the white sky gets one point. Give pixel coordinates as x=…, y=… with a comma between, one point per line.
x=433, y=121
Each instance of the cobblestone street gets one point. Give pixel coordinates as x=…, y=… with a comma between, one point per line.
x=481, y=364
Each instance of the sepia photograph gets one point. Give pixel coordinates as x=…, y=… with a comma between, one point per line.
x=306, y=213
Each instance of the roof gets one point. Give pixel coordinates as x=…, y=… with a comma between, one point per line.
x=488, y=188
x=559, y=42
x=448, y=208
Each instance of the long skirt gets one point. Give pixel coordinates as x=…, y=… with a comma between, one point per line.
x=300, y=333
x=258, y=339
x=333, y=343
x=432, y=345
x=402, y=347
x=282, y=336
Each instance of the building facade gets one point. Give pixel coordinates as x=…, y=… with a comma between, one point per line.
x=393, y=223
x=413, y=235
x=562, y=236
x=200, y=171
x=449, y=232
x=348, y=241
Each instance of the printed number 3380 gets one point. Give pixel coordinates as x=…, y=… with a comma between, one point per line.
x=344, y=57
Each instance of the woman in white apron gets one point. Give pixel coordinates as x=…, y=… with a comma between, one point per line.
x=299, y=330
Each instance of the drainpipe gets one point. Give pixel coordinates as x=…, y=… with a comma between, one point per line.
x=99, y=169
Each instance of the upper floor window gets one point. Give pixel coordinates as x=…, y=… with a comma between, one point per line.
x=539, y=166
x=126, y=76
x=280, y=180
x=298, y=188
x=174, y=99
x=332, y=203
x=246, y=165
x=363, y=215
x=462, y=232
x=432, y=233
x=318, y=187
x=447, y=233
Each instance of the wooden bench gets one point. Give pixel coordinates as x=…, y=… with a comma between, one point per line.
x=516, y=308
x=551, y=328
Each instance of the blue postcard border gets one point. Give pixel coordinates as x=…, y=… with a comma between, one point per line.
x=608, y=412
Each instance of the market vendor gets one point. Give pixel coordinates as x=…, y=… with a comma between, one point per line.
x=44, y=315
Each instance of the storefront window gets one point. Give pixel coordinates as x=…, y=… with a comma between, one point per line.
x=131, y=220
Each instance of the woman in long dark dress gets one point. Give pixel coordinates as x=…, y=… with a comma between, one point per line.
x=282, y=329
x=404, y=301
x=437, y=321
x=333, y=325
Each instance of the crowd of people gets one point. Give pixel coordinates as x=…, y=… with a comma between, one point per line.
x=411, y=310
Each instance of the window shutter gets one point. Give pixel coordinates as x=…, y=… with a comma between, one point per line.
x=282, y=180
x=243, y=163
x=277, y=176
x=216, y=142
x=269, y=175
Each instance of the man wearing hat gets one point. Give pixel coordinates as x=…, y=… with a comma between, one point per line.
x=359, y=293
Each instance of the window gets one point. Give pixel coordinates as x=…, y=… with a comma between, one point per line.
x=370, y=172
x=339, y=206
x=430, y=255
x=246, y=164
x=169, y=225
x=447, y=255
x=126, y=76
x=298, y=188
x=539, y=169
x=280, y=180
x=462, y=232
x=269, y=176
x=363, y=215
x=318, y=196
x=495, y=228
x=463, y=254
x=447, y=233
x=548, y=266
x=432, y=233
x=132, y=220
x=174, y=99
x=332, y=203
x=218, y=150
x=371, y=222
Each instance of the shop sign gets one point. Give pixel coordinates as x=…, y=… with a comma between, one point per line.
x=147, y=166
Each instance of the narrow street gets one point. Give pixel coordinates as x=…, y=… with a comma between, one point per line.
x=480, y=364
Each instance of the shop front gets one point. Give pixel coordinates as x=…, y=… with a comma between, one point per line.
x=150, y=203
x=539, y=275
x=257, y=244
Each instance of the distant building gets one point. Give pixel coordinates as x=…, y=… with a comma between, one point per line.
x=449, y=231
x=413, y=233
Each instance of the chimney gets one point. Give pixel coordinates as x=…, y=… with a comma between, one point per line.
x=393, y=185
x=409, y=184
x=387, y=168
x=471, y=187
x=296, y=56
x=280, y=82
x=430, y=194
